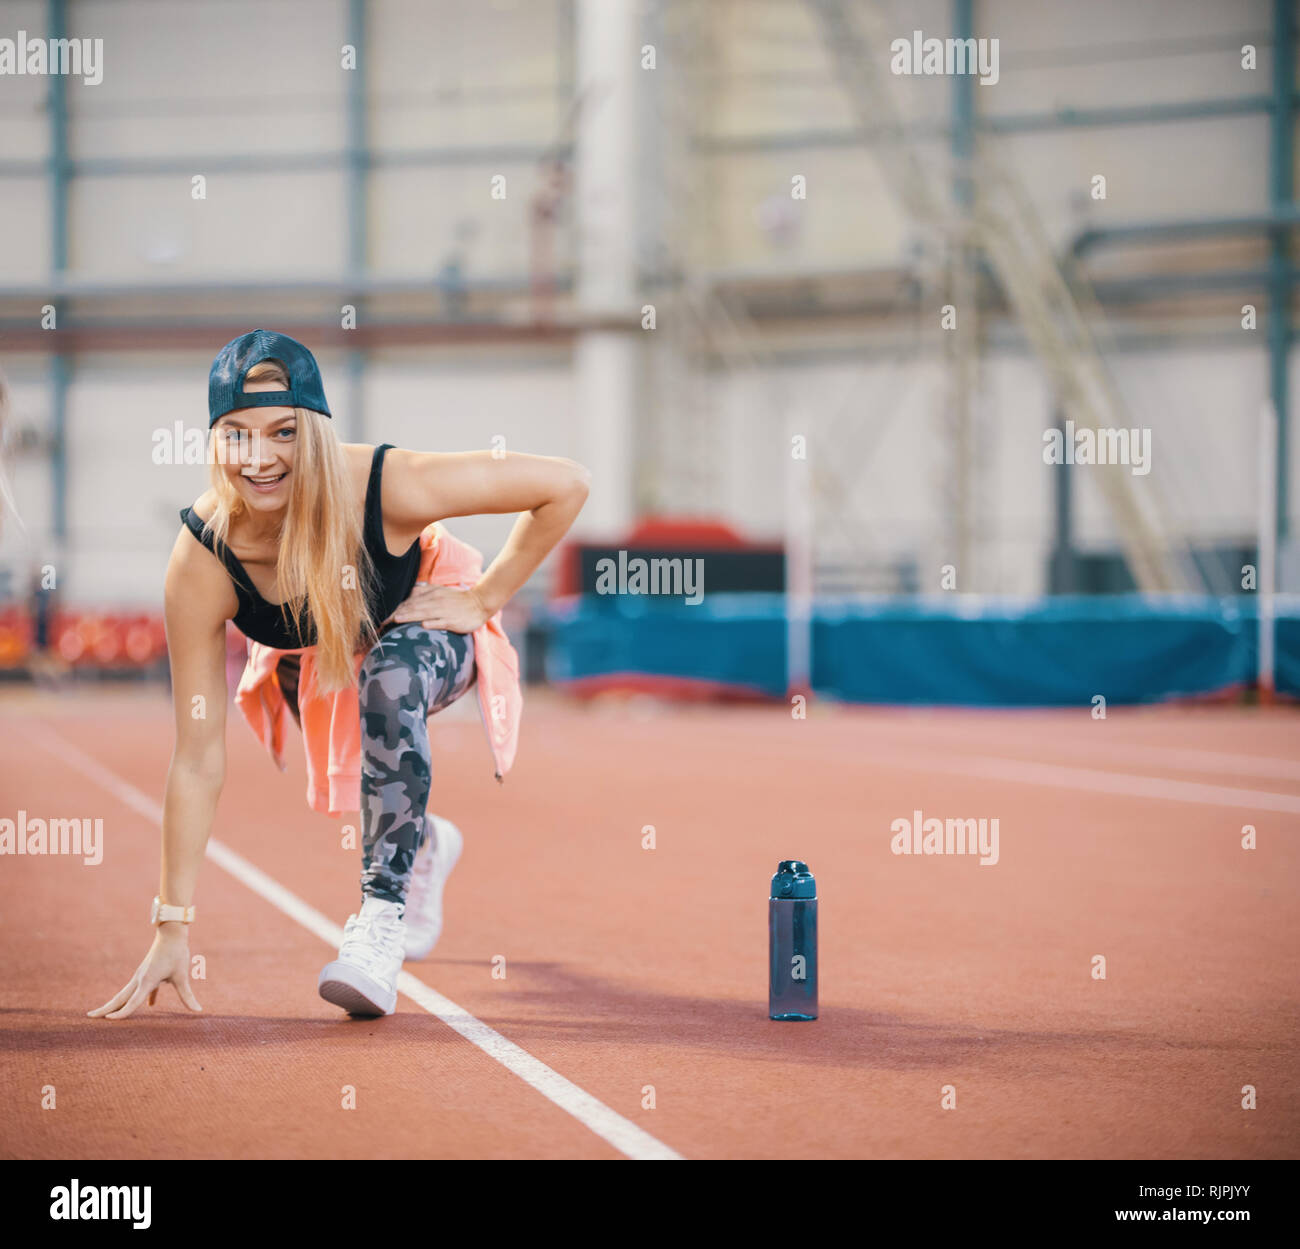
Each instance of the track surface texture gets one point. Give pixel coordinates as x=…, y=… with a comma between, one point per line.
x=637, y=978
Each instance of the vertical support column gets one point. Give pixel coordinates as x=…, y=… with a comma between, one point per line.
x=606, y=360
x=1281, y=195
x=60, y=362
x=1063, y=577
x=962, y=342
x=1266, y=558
x=358, y=166
x=963, y=114
x=800, y=567
x=565, y=52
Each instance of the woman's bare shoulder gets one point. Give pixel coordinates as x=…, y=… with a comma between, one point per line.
x=204, y=505
x=357, y=456
x=197, y=586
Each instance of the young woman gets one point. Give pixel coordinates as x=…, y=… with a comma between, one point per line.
x=364, y=617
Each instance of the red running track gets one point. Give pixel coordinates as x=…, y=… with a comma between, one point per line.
x=629, y=970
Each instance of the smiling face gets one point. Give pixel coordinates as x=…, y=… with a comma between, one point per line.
x=255, y=449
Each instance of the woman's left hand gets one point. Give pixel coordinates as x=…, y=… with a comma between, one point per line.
x=442, y=607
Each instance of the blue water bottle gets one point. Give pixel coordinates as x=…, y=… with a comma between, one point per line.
x=792, y=943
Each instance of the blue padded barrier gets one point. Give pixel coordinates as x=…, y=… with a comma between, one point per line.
x=954, y=650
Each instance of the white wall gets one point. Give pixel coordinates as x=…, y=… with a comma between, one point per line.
x=122, y=507
x=206, y=82
x=877, y=447
x=462, y=400
x=1052, y=56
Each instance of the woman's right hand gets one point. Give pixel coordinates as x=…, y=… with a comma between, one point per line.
x=168, y=961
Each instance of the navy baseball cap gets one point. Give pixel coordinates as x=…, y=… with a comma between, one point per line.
x=226, y=380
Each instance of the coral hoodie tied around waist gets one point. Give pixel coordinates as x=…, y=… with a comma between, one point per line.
x=331, y=723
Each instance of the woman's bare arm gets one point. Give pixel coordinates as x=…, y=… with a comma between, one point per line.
x=198, y=601
x=548, y=492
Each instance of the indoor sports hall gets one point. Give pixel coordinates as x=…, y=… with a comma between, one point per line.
x=930, y=363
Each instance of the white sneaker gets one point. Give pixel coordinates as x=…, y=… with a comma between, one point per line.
x=433, y=865
x=363, y=979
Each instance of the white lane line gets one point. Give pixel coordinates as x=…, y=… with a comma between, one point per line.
x=1091, y=780
x=609, y=1125
x=916, y=734
x=1184, y=759
x=865, y=754
x=1178, y=758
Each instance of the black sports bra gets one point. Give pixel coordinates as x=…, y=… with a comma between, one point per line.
x=265, y=622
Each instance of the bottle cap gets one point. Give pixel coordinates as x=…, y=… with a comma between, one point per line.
x=793, y=880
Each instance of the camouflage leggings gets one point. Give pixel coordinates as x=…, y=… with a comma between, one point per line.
x=410, y=673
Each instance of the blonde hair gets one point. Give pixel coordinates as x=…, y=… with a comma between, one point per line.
x=322, y=559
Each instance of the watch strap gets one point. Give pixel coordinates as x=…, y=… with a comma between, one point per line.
x=166, y=914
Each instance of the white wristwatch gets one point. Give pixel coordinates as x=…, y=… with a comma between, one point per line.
x=163, y=914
